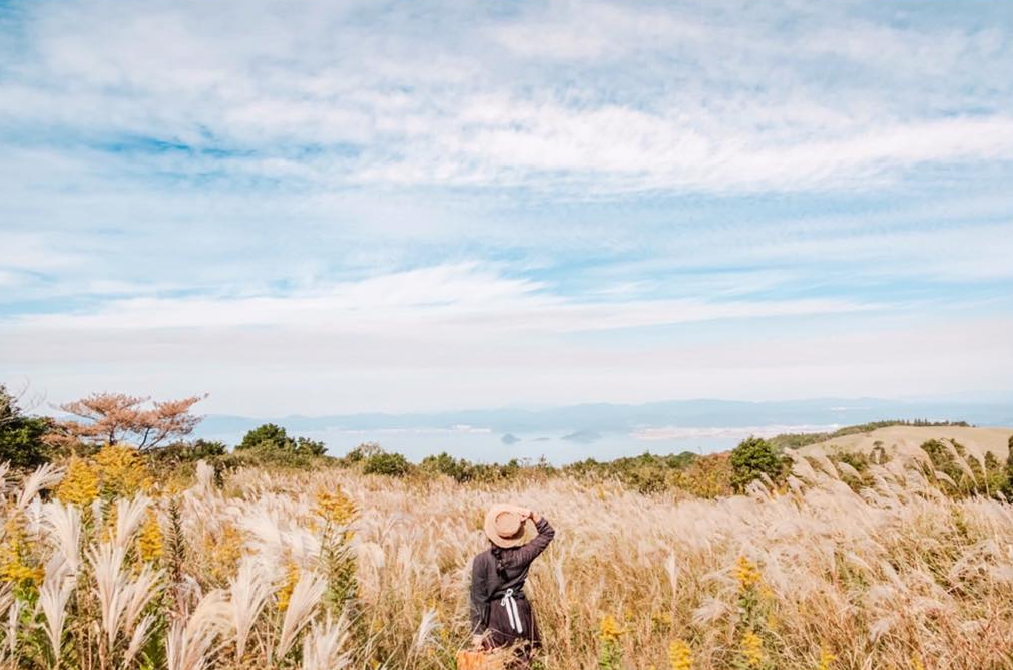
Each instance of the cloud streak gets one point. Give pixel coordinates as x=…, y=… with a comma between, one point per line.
x=445, y=301
x=348, y=107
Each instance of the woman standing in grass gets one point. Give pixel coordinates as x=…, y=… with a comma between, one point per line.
x=501, y=615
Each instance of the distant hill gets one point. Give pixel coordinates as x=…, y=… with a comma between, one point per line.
x=589, y=419
x=908, y=439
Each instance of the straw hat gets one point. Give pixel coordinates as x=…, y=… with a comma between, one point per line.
x=505, y=525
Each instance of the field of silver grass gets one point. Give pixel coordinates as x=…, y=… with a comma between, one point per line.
x=101, y=568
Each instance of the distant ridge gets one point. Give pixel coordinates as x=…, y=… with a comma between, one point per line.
x=587, y=419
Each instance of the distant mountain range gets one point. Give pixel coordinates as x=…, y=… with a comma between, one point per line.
x=584, y=422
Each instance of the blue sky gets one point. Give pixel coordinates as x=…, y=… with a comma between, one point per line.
x=328, y=207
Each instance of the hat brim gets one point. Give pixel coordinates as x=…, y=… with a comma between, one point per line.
x=522, y=537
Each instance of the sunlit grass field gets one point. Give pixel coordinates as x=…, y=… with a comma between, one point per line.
x=104, y=566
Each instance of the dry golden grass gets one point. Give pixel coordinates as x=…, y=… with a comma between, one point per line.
x=818, y=576
x=907, y=440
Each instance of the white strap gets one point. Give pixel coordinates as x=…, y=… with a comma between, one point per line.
x=510, y=603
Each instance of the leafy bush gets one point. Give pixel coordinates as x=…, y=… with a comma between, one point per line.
x=707, y=476
x=753, y=458
x=647, y=472
x=21, y=442
x=485, y=472
x=271, y=437
x=392, y=464
x=177, y=461
x=463, y=470
x=199, y=449
x=268, y=433
x=970, y=476
x=1007, y=485
x=459, y=469
x=266, y=456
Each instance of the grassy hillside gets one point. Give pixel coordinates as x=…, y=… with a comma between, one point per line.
x=107, y=566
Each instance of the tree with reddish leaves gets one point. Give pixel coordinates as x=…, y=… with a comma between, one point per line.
x=117, y=418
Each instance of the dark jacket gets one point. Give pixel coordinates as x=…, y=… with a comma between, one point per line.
x=486, y=583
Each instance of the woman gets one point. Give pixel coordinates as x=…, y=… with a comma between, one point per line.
x=501, y=615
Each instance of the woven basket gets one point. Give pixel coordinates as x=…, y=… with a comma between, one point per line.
x=478, y=660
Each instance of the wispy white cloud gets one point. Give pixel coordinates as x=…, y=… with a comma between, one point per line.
x=631, y=120
x=448, y=301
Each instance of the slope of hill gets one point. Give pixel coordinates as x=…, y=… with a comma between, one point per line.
x=908, y=439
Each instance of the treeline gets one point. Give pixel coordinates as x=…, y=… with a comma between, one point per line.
x=159, y=431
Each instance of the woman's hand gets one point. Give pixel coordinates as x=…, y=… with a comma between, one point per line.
x=476, y=641
x=528, y=514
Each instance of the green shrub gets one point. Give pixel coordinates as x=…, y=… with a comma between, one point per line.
x=271, y=437
x=647, y=472
x=857, y=460
x=755, y=457
x=392, y=464
x=266, y=456
x=491, y=472
x=443, y=463
x=199, y=449
x=1007, y=485
x=359, y=455
x=268, y=433
x=986, y=478
x=706, y=476
x=21, y=442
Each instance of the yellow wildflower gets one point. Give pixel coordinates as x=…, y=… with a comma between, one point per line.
x=121, y=470
x=110, y=523
x=916, y=662
x=751, y=649
x=285, y=592
x=15, y=563
x=609, y=630
x=826, y=659
x=150, y=546
x=679, y=656
x=80, y=485
x=746, y=573
x=335, y=507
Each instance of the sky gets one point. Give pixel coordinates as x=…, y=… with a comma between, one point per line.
x=313, y=207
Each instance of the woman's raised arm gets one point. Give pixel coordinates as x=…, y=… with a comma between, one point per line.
x=532, y=549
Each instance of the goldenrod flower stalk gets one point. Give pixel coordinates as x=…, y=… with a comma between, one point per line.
x=121, y=470
x=826, y=659
x=80, y=485
x=751, y=648
x=610, y=654
x=679, y=656
x=15, y=564
x=285, y=592
x=609, y=630
x=335, y=507
x=746, y=573
x=150, y=545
